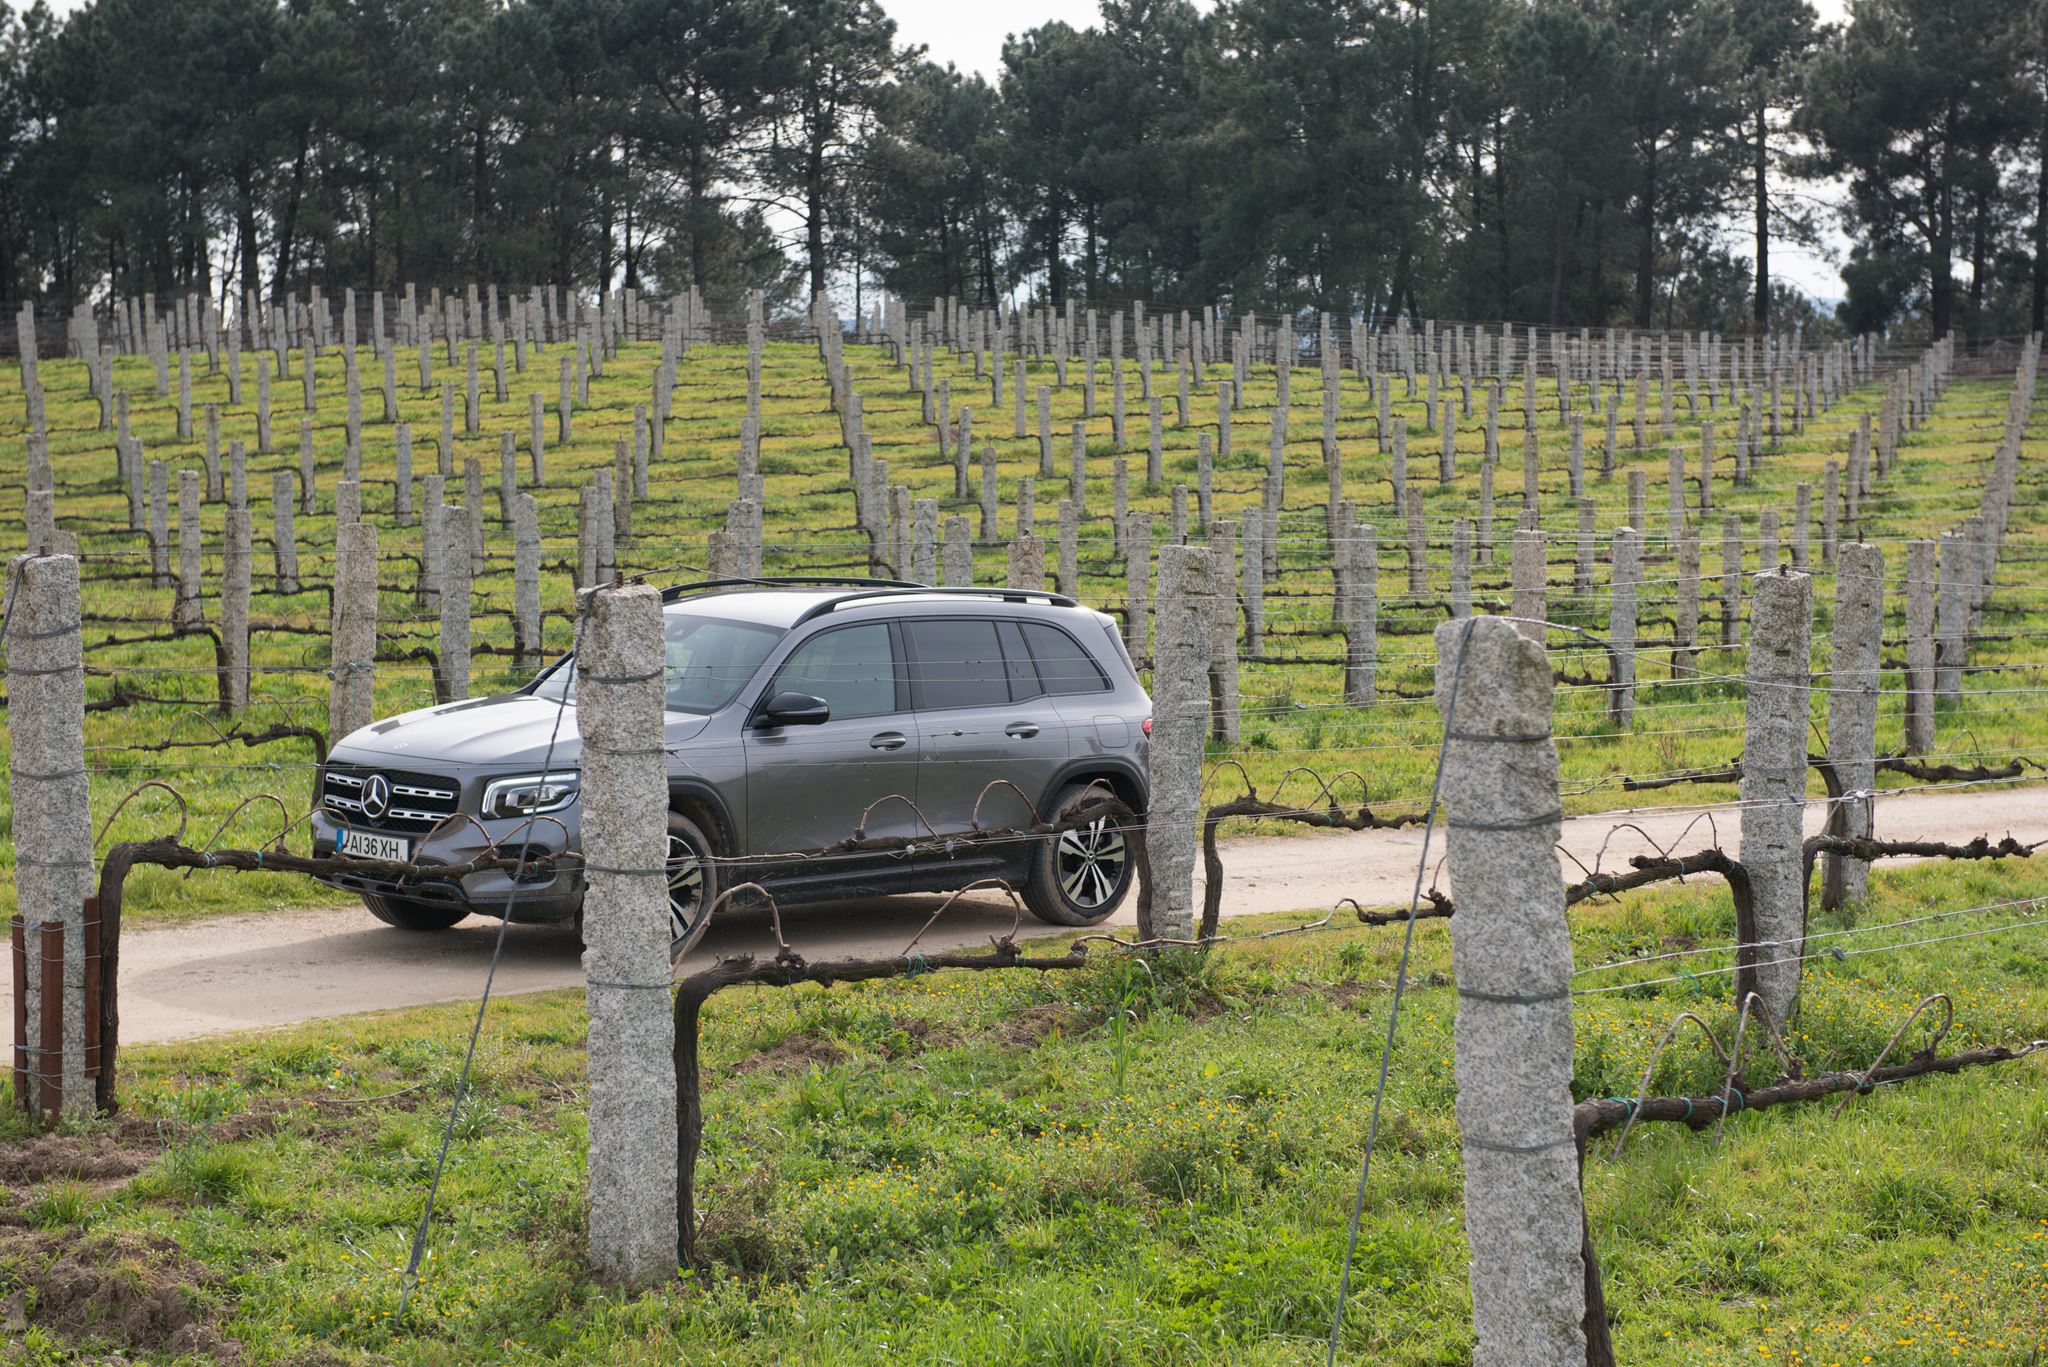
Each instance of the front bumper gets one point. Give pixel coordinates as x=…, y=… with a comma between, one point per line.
x=555, y=894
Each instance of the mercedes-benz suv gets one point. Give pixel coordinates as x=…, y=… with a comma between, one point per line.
x=798, y=714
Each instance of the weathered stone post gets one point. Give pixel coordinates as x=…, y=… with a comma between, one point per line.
x=159, y=524
x=1067, y=556
x=1626, y=573
x=1138, y=583
x=924, y=541
x=1461, y=568
x=988, y=494
x=1180, y=711
x=1731, y=579
x=1359, y=553
x=626, y=937
x=185, y=609
x=1418, y=547
x=957, y=568
x=1078, y=478
x=52, y=832
x=1852, y=708
x=1952, y=611
x=1253, y=554
x=1685, y=632
x=352, y=669
x=1774, y=781
x=1527, y=571
x=234, y=610
x=283, y=532
x=453, y=647
x=1223, y=670
x=1513, y=959
x=1919, y=647
x=526, y=643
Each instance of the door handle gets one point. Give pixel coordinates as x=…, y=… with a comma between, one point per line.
x=887, y=740
x=1021, y=730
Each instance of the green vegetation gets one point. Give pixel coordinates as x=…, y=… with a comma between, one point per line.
x=1292, y=695
x=1125, y=1164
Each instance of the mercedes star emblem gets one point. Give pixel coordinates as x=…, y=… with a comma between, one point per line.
x=376, y=796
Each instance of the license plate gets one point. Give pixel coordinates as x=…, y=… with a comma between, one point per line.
x=370, y=845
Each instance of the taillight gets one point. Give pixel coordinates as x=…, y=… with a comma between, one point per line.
x=1146, y=726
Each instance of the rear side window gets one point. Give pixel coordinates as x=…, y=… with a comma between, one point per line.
x=853, y=669
x=1024, y=683
x=1063, y=666
x=957, y=663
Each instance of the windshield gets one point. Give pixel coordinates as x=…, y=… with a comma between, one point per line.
x=707, y=662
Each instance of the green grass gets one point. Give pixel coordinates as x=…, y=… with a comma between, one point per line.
x=987, y=1168
x=1293, y=714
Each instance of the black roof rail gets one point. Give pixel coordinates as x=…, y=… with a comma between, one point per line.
x=783, y=581
x=1058, y=600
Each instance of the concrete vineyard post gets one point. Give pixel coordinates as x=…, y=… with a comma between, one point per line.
x=234, y=609
x=453, y=647
x=353, y=655
x=1774, y=781
x=52, y=820
x=1513, y=959
x=1180, y=710
x=1920, y=646
x=626, y=936
x=1858, y=632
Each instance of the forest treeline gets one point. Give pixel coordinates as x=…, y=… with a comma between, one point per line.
x=1571, y=162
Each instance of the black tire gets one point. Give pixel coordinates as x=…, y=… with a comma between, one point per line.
x=692, y=878
x=410, y=915
x=1078, y=878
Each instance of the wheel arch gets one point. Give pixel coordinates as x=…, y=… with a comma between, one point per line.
x=702, y=804
x=1123, y=777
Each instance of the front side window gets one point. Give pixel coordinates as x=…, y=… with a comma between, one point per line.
x=852, y=668
x=706, y=661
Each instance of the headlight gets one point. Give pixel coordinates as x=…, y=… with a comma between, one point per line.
x=531, y=794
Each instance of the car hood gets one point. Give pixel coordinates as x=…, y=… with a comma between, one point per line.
x=510, y=728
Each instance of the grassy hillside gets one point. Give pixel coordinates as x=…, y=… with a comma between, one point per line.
x=1292, y=692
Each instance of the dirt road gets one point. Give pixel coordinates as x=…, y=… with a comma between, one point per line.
x=278, y=967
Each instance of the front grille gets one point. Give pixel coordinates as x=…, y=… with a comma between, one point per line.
x=415, y=802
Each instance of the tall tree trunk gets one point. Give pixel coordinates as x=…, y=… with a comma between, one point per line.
x=1980, y=213
x=1941, y=260
x=479, y=200
x=245, y=225
x=2040, y=311
x=1055, y=263
x=1646, y=242
x=814, y=194
x=1760, y=169
x=1500, y=217
x=1556, y=269
x=699, y=186
x=288, y=225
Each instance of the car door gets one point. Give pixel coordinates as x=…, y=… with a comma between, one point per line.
x=984, y=719
x=807, y=786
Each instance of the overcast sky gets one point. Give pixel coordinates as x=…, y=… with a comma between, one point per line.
x=970, y=33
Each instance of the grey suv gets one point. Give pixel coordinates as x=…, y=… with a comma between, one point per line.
x=793, y=707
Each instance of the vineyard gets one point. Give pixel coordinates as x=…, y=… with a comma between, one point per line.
x=154, y=692
x=1149, y=1158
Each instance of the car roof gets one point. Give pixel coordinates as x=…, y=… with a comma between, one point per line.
x=791, y=605
x=765, y=607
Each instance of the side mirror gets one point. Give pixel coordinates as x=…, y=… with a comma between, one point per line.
x=793, y=709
